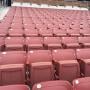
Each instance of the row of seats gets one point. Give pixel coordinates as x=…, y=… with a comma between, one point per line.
x=19, y=67
x=58, y=26
x=19, y=17
x=27, y=22
x=21, y=43
x=29, y=30
x=31, y=12
x=15, y=87
x=78, y=84
x=34, y=66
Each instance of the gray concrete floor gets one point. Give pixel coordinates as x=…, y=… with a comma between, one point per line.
x=3, y=12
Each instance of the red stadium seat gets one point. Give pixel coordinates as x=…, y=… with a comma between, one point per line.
x=2, y=43
x=85, y=32
x=81, y=84
x=40, y=26
x=14, y=43
x=31, y=32
x=13, y=57
x=40, y=61
x=16, y=32
x=34, y=42
x=4, y=25
x=3, y=32
x=14, y=87
x=46, y=32
x=17, y=20
x=70, y=42
x=29, y=25
x=66, y=65
x=84, y=41
x=73, y=32
x=52, y=42
x=84, y=60
x=12, y=67
x=16, y=26
x=59, y=32
x=53, y=85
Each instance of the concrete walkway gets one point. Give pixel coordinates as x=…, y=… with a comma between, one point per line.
x=3, y=12
x=47, y=6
